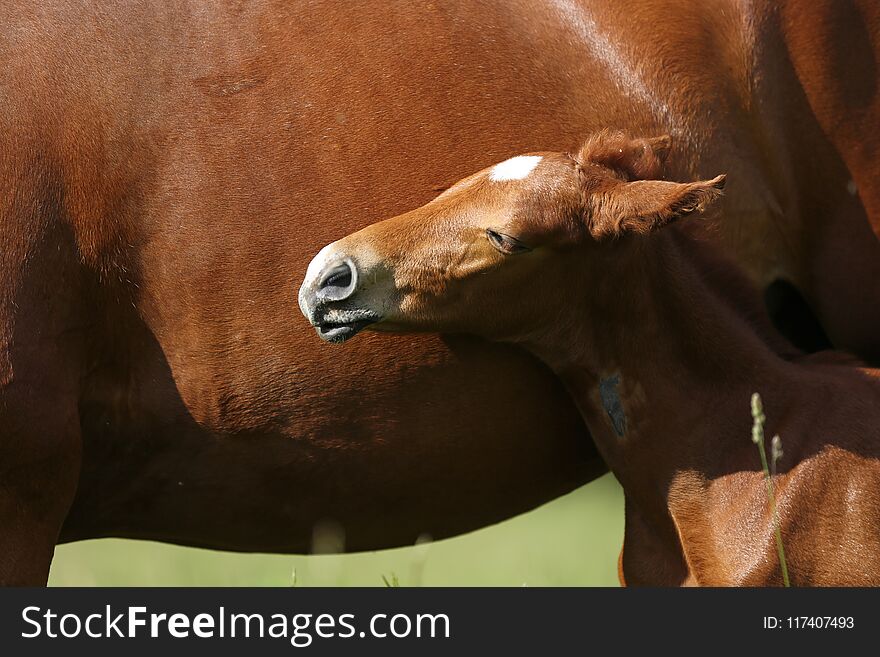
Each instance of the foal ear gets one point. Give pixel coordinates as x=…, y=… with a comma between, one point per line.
x=645, y=205
x=636, y=159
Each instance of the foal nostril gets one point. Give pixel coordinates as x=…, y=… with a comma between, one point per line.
x=339, y=276
x=338, y=281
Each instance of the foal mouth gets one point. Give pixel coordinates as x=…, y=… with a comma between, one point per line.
x=337, y=326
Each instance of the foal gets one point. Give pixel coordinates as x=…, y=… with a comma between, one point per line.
x=659, y=342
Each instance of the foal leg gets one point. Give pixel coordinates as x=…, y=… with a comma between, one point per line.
x=646, y=559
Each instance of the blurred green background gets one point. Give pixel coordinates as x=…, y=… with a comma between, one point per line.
x=572, y=541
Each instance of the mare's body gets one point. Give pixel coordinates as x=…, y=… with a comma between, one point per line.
x=166, y=169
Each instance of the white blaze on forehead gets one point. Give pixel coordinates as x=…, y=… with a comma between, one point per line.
x=516, y=168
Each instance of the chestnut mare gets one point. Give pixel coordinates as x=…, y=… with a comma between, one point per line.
x=167, y=169
x=567, y=257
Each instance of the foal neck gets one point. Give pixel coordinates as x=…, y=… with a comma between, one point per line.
x=662, y=360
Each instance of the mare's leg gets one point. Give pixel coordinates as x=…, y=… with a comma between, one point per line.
x=41, y=347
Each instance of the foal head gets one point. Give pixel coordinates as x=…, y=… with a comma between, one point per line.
x=504, y=249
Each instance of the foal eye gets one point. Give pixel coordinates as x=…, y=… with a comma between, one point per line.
x=505, y=243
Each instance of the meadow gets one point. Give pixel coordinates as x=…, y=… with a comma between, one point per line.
x=571, y=541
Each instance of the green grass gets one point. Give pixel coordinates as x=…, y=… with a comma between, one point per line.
x=759, y=419
x=572, y=541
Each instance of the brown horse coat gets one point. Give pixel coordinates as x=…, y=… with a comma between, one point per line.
x=568, y=257
x=167, y=169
